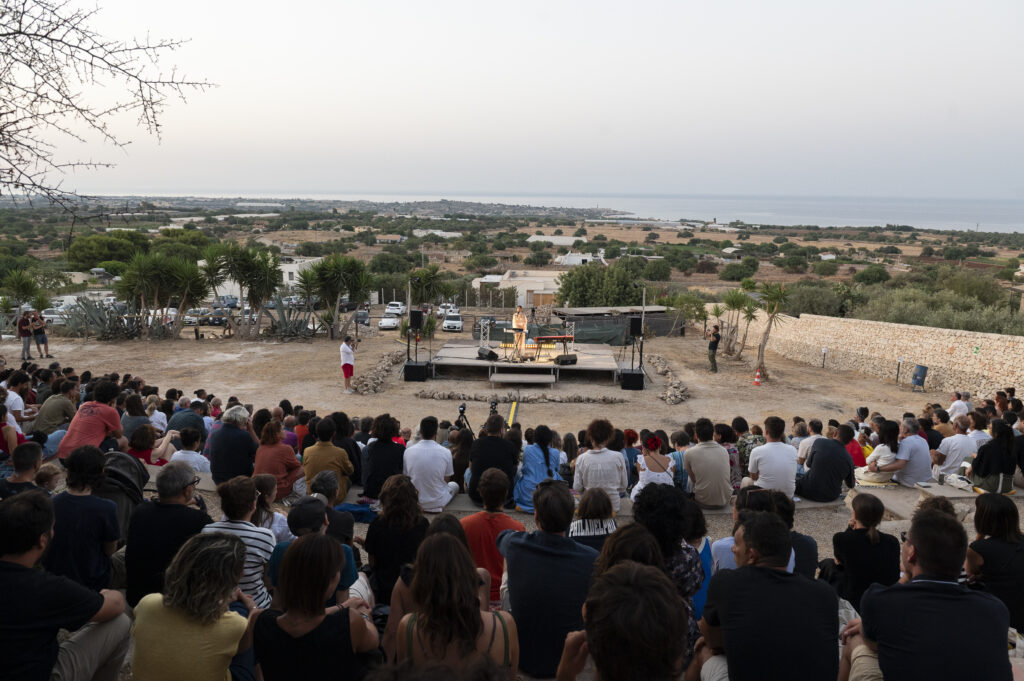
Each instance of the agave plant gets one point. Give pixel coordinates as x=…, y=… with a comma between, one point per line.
x=290, y=323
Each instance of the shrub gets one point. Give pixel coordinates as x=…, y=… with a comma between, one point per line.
x=826, y=268
x=707, y=267
x=731, y=272
x=872, y=274
x=657, y=270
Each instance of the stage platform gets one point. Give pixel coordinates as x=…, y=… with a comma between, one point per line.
x=460, y=356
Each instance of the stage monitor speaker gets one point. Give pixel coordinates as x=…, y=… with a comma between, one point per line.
x=636, y=327
x=486, y=354
x=415, y=319
x=416, y=371
x=631, y=379
x=563, y=360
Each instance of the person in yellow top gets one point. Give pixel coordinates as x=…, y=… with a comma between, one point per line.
x=519, y=322
x=188, y=632
x=325, y=456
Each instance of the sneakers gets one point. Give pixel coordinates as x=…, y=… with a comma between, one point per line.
x=350, y=391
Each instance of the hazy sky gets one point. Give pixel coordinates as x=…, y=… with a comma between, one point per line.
x=872, y=98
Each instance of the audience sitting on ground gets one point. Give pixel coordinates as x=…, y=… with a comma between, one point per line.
x=430, y=467
x=540, y=463
x=26, y=459
x=829, y=464
x=995, y=559
x=146, y=446
x=384, y=456
x=491, y=450
x=805, y=549
x=863, y=555
x=482, y=528
x=233, y=446
x=394, y=536
x=600, y=467
x=595, y=520
x=159, y=528
x=707, y=467
x=915, y=616
x=748, y=499
x=991, y=470
x=325, y=456
x=96, y=423
x=773, y=465
x=274, y=457
x=265, y=514
x=547, y=609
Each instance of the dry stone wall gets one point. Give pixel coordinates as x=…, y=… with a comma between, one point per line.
x=956, y=360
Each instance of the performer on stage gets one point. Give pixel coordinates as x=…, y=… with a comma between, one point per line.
x=519, y=327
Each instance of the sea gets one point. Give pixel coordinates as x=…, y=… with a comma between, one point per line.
x=986, y=215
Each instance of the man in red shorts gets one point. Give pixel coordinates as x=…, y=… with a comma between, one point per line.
x=348, y=361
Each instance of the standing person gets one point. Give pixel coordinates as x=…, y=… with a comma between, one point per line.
x=519, y=325
x=348, y=362
x=39, y=334
x=37, y=604
x=713, y=337
x=25, y=334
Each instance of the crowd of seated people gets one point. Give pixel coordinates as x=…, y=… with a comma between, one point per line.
x=277, y=583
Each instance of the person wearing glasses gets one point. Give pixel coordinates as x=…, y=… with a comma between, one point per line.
x=159, y=528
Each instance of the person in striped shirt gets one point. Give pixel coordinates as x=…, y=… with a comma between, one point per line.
x=238, y=502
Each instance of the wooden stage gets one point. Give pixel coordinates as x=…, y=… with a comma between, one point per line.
x=460, y=356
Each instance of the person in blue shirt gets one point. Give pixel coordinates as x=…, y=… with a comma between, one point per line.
x=540, y=462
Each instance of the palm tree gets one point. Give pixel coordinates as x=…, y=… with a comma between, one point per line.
x=734, y=300
x=773, y=302
x=426, y=283
x=359, y=282
x=213, y=269
x=261, y=284
x=20, y=285
x=717, y=311
x=749, y=315
x=191, y=287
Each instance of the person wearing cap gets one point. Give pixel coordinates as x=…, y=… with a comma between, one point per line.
x=348, y=362
x=188, y=418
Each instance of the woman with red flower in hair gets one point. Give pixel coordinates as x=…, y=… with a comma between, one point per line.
x=653, y=466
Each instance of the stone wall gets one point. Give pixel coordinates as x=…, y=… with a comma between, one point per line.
x=957, y=360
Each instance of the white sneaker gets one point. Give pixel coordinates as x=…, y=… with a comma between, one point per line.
x=350, y=391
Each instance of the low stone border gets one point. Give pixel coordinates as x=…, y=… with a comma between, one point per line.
x=674, y=392
x=373, y=381
x=513, y=397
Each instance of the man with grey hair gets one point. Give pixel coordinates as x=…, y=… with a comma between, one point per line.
x=952, y=451
x=957, y=406
x=159, y=528
x=913, y=462
x=233, y=446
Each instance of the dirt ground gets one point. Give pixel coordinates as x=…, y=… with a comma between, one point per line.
x=309, y=373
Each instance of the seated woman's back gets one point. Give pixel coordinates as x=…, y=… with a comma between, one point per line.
x=496, y=640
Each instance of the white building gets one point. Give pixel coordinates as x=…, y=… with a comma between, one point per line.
x=533, y=287
x=555, y=240
x=572, y=259
x=436, y=232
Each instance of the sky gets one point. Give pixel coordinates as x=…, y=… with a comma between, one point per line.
x=815, y=98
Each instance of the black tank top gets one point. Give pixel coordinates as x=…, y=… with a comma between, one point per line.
x=324, y=652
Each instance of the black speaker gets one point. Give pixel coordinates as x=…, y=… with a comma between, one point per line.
x=631, y=379
x=486, y=354
x=563, y=360
x=636, y=327
x=416, y=371
x=415, y=319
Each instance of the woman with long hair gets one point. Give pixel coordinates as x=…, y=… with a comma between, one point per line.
x=265, y=515
x=540, y=462
x=571, y=449
x=630, y=439
x=996, y=557
x=384, y=457
x=305, y=639
x=993, y=468
x=863, y=555
x=449, y=626
x=883, y=454
x=144, y=445
x=394, y=535
x=134, y=415
x=273, y=457
x=188, y=631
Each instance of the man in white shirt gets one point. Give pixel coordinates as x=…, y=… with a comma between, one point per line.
x=773, y=464
x=430, y=467
x=348, y=362
x=17, y=383
x=190, y=438
x=946, y=460
x=958, y=406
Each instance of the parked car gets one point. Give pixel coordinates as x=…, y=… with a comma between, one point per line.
x=395, y=307
x=442, y=310
x=363, y=317
x=192, y=317
x=229, y=301
x=388, y=321
x=452, y=322
x=54, y=317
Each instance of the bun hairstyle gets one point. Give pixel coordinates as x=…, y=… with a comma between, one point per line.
x=652, y=443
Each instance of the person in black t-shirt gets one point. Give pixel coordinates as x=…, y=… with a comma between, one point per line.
x=805, y=549
x=491, y=451
x=159, y=528
x=233, y=446
x=384, y=457
x=26, y=459
x=37, y=604
x=758, y=611
x=863, y=555
x=996, y=558
x=714, y=337
x=954, y=632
